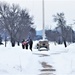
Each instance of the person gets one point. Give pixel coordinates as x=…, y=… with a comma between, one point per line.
x=23, y=43
x=31, y=44
x=26, y=44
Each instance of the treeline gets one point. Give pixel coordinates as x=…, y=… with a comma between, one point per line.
x=56, y=35
x=15, y=22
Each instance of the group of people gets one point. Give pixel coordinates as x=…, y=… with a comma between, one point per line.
x=27, y=44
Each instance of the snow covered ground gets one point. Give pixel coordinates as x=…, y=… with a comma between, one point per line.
x=57, y=61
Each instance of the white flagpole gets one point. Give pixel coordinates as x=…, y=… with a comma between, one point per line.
x=43, y=16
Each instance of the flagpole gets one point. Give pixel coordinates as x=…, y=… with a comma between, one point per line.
x=43, y=16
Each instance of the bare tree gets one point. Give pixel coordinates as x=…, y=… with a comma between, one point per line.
x=16, y=21
x=61, y=22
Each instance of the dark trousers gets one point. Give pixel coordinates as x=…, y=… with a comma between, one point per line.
x=31, y=47
x=26, y=46
x=23, y=46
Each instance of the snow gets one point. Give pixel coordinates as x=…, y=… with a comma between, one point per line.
x=18, y=61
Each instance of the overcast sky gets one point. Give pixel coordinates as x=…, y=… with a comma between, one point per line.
x=51, y=8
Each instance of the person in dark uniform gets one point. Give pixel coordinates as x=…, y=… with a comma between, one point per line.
x=31, y=44
x=23, y=46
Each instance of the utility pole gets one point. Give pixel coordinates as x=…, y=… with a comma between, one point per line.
x=43, y=16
